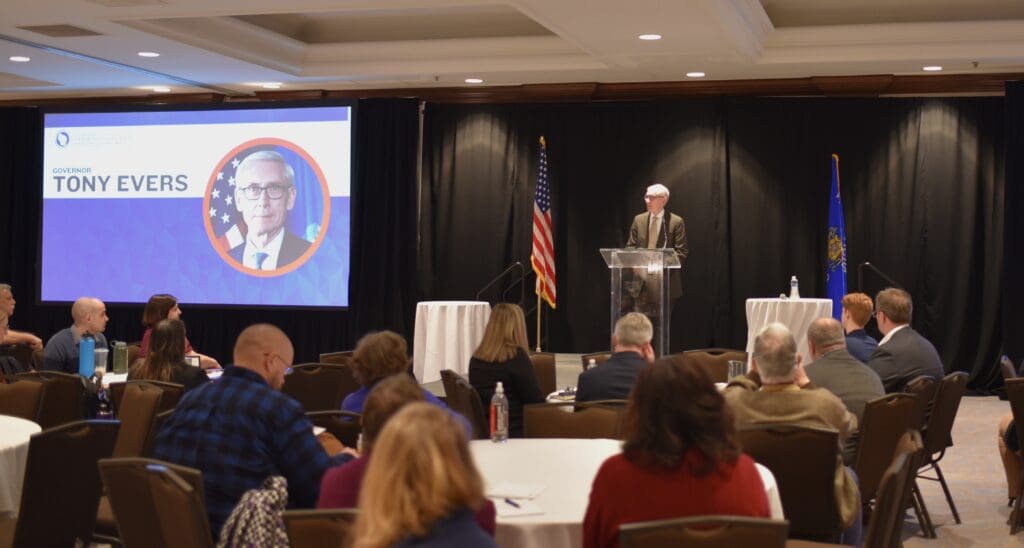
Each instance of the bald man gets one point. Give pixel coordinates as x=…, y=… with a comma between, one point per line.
x=241, y=429
x=61, y=352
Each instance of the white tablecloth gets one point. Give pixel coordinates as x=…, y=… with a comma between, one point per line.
x=796, y=314
x=447, y=333
x=567, y=468
x=14, y=436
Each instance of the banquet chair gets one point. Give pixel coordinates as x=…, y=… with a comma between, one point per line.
x=61, y=488
x=803, y=461
x=345, y=425
x=550, y=420
x=62, y=398
x=158, y=423
x=20, y=352
x=716, y=361
x=180, y=507
x=37, y=359
x=464, y=400
x=21, y=399
x=884, y=422
x=171, y=394
x=134, y=350
x=924, y=387
x=936, y=435
x=544, y=369
x=337, y=358
x=315, y=528
x=598, y=357
x=139, y=407
x=1015, y=391
x=130, y=498
x=320, y=386
x=704, y=532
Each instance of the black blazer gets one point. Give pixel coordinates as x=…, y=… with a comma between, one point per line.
x=905, y=356
x=611, y=380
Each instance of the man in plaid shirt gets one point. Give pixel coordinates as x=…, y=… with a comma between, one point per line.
x=242, y=429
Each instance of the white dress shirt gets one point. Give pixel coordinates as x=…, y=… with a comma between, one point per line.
x=273, y=250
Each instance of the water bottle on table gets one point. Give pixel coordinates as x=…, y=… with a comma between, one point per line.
x=86, y=355
x=499, y=415
x=794, y=288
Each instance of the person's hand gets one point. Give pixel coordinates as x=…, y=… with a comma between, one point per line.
x=331, y=444
x=207, y=362
x=802, y=379
x=34, y=342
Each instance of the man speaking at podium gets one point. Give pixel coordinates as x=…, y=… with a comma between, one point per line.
x=650, y=230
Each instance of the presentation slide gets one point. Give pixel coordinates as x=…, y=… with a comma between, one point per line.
x=221, y=207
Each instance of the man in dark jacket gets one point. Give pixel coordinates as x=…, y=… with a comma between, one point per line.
x=902, y=353
x=613, y=379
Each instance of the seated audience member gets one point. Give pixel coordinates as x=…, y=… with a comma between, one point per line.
x=902, y=353
x=421, y=485
x=680, y=457
x=165, y=307
x=834, y=369
x=341, y=485
x=61, y=351
x=857, y=309
x=781, y=400
x=7, y=303
x=9, y=366
x=503, y=356
x=613, y=379
x=378, y=356
x=241, y=429
x=166, y=358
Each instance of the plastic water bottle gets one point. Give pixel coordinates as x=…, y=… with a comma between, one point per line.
x=86, y=356
x=794, y=288
x=592, y=363
x=104, y=408
x=499, y=415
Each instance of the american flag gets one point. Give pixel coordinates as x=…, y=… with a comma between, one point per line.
x=226, y=221
x=543, y=256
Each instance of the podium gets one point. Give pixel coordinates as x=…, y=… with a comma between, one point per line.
x=640, y=283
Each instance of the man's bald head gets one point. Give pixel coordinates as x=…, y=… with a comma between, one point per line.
x=89, y=315
x=265, y=349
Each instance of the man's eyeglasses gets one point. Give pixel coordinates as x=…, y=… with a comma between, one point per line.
x=274, y=191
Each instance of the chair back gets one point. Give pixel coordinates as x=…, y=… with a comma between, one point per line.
x=1006, y=368
x=464, y=400
x=20, y=352
x=716, y=361
x=320, y=386
x=61, y=401
x=924, y=387
x=61, y=489
x=705, y=532
x=555, y=420
x=937, y=434
x=884, y=527
x=885, y=420
x=544, y=369
x=131, y=499
x=315, y=528
x=180, y=508
x=172, y=393
x=338, y=358
x=133, y=354
x=21, y=399
x=158, y=423
x=137, y=413
x=345, y=425
x=598, y=357
x=803, y=461
x=37, y=359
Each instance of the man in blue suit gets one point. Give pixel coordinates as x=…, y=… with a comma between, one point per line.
x=613, y=379
x=857, y=310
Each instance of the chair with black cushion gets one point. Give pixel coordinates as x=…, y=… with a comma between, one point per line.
x=884, y=422
x=345, y=425
x=320, y=386
x=555, y=420
x=21, y=399
x=316, y=528
x=937, y=435
x=62, y=398
x=704, y=532
x=544, y=369
x=598, y=357
x=465, y=400
x=716, y=361
x=61, y=488
x=803, y=461
x=171, y=393
x=338, y=358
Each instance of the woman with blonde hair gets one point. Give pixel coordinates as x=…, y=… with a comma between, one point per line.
x=166, y=359
x=421, y=486
x=503, y=356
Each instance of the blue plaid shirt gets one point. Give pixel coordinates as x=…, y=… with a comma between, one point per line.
x=237, y=431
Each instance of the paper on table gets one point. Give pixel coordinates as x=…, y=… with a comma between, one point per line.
x=317, y=430
x=526, y=508
x=508, y=489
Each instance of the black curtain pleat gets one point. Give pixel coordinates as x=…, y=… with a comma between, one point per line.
x=1013, y=204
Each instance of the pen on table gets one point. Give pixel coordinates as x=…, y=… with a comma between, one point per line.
x=512, y=503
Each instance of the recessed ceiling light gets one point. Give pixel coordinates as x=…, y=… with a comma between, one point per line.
x=931, y=68
x=474, y=81
x=19, y=59
x=649, y=37
x=148, y=54
x=271, y=85
x=695, y=74
x=160, y=89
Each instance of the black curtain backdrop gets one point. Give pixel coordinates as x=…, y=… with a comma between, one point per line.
x=1013, y=292
x=383, y=252
x=922, y=183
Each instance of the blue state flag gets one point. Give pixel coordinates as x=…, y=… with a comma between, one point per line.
x=835, y=271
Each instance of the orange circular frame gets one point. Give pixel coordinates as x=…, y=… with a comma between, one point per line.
x=325, y=217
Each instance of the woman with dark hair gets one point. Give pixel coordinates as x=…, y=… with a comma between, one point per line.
x=680, y=457
x=166, y=359
x=164, y=306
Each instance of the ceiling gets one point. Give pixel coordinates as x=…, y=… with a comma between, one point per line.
x=89, y=48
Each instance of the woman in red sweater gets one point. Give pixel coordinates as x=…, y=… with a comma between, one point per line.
x=680, y=457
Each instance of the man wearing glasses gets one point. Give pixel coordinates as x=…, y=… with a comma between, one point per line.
x=264, y=194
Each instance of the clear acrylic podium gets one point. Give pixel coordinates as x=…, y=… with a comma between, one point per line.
x=640, y=283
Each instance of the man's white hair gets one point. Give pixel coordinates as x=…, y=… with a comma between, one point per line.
x=633, y=329
x=657, y=190
x=775, y=352
x=267, y=156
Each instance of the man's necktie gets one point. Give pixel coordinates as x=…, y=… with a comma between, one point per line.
x=653, y=233
x=260, y=257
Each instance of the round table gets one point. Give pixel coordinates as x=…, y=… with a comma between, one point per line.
x=446, y=335
x=566, y=468
x=796, y=314
x=14, y=437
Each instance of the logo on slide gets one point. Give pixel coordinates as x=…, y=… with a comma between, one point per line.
x=267, y=207
x=63, y=139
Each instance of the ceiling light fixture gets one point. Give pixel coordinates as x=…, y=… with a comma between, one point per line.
x=19, y=59
x=148, y=54
x=271, y=85
x=695, y=74
x=649, y=37
x=474, y=81
x=931, y=68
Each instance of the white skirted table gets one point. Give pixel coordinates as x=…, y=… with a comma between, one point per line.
x=566, y=469
x=14, y=437
x=446, y=334
x=796, y=314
